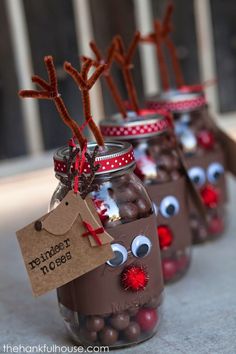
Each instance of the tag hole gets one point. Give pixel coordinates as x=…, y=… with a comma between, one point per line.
x=38, y=225
x=66, y=203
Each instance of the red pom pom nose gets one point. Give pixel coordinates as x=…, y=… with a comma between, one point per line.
x=210, y=196
x=134, y=278
x=165, y=236
x=206, y=139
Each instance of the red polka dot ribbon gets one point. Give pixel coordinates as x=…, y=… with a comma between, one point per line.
x=175, y=106
x=107, y=164
x=142, y=128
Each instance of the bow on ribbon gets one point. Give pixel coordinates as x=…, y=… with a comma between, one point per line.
x=91, y=231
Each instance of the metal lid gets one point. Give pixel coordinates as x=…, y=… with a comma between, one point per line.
x=148, y=123
x=178, y=101
x=115, y=156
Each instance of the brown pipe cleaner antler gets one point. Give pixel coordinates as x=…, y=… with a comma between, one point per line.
x=156, y=38
x=107, y=75
x=162, y=34
x=50, y=91
x=167, y=28
x=124, y=60
x=85, y=84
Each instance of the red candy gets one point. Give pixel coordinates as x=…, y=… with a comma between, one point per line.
x=169, y=269
x=216, y=225
x=210, y=196
x=165, y=236
x=206, y=139
x=147, y=319
x=134, y=278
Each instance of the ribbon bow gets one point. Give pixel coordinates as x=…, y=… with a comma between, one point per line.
x=93, y=232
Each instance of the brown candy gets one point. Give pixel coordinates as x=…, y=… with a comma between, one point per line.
x=89, y=336
x=155, y=150
x=132, y=332
x=176, y=162
x=143, y=207
x=122, y=180
x=108, y=336
x=94, y=323
x=126, y=194
x=166, y=162
x=120, y=321
x=128, y=211
x=133, y=311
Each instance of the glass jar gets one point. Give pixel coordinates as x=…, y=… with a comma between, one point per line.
x=159, y=167
x=116, y=304
x=204, y=157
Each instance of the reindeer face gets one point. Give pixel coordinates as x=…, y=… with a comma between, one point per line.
x=207, y=172
x=131, y=279
x=170, y=205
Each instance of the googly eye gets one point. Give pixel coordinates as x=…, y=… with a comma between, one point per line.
x=155, y=208
x=169, y=206
x=141, y=246
x=197, y=175
x=214, y=171
x=120, y=255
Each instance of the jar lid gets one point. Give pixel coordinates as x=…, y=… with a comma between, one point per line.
x=148, y=123
x=114, y=156
x=178, y=101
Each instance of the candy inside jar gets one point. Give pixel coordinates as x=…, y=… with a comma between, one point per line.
x=118, y=303
x=158, y=165
x=197, y=135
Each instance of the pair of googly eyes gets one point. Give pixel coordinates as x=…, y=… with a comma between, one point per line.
x=169, y=206
x=199, y=176
x=140, y=248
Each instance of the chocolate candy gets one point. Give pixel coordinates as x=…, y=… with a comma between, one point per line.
x=133, y=311
x=132, y=332
x=120, y=321
x=108, y=336
x=128, y=211
x=143, y=207
x=166, y=162
x=147, y=319
x=176, y=162
x=89, y=336
x=94, y=323
x=122, y=180
x=126, y=194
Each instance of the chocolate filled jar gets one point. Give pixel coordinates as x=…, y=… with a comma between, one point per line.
x=204, y=157
x=116, y=304
x=159, y=167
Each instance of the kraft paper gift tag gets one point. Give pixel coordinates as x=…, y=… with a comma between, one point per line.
x=54, y=248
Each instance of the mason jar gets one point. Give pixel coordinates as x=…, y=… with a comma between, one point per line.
x=204, y=155
x=118, y=303
x=159, y=167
